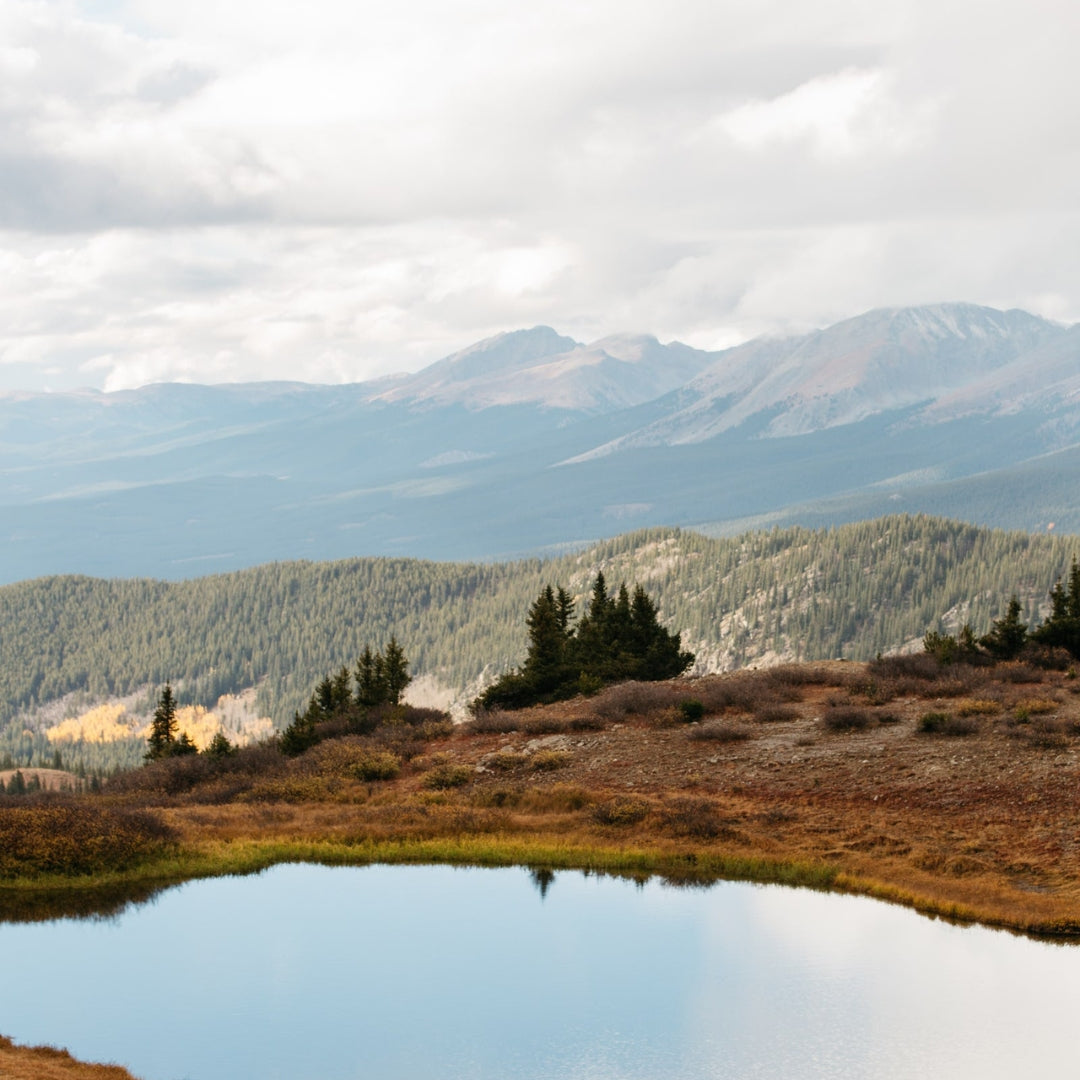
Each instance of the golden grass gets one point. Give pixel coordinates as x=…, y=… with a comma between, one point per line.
x=977, y=707
x=47, y=1063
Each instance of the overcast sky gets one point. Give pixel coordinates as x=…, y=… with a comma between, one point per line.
x=332, y=190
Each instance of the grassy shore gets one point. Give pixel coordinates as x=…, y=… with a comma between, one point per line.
x=826, y=776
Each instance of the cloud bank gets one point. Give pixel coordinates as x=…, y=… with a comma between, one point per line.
x=333, y=191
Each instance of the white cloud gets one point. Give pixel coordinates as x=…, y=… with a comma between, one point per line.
x=841, y=114
x=190, y=191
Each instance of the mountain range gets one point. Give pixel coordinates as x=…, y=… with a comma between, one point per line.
x=532, y=442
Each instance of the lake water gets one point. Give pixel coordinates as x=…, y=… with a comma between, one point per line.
x=434, y=972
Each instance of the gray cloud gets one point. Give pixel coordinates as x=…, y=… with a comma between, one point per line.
x=362, y=189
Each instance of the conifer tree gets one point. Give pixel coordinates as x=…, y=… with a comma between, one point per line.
x=299, y=735
x=1062, y=626
x=618, y=638
x=545, y=664
x=220, y=746
x=183, y=745
x=564, y=607
x=1007, y=635
x=370, y=689
x=162, y=737
x=395, y=672
x=340, y=690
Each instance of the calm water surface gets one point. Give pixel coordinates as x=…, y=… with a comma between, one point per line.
x=434, y=972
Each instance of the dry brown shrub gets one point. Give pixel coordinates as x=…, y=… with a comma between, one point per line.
x=847, y=718
x=1015, y=672
x=548, y=760
x=1044, y=733
x=557, y=799
x=806, y=675
x=777, y=714
x=940, y=723
x=187, y=778
x=48, y=1063
x=492, y=722
x=497, y=797
x=77, y=838
x=694, y=817
x=635, y=699
x=402, y=740
x=622, y=811
x=746, y=691
x=880, y=691
x=446, y=776
x=1037, y=706
x=353, y=757
x=506, y=761
x=1047, y=657
x=978, y=707
x=721, y=731
x=298, y=787
x=919, y=666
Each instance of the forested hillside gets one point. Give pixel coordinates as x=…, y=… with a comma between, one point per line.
x=852, y=591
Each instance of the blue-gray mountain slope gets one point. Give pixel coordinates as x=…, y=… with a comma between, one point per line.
x=532, y=441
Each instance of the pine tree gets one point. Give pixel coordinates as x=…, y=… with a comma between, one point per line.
x=1062, y=626
x=395, y=672
x=220, y=746
x=184, y=745
x=370, y=683
x=659, y=654
x=1007, y=634
x=162, y=737
x=591, y=652
x=545, y=665
x=564, y=607
x=299, y=735
x=615, y=639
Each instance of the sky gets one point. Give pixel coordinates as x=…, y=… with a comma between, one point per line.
x=332, y=191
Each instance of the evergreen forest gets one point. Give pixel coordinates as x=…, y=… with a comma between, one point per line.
x=68, y=642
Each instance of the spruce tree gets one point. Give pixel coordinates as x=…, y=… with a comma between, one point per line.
x=564, y=607
x=1007, y=635
x=545, y=665
x=220, y=746
x=395, y=672
x=370, y=683
x=591, y=652
x=1062, y=626
x=299, y=735
x=615, y=639
x=183, y=745
x=162, y=737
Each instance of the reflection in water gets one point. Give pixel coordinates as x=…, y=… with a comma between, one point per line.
x=393, y=972
x=542, y=877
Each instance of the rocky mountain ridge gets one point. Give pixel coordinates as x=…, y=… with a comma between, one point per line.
x=532, y=441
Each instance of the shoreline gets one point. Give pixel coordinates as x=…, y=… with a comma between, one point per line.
x=823, y=775
x=53, y=897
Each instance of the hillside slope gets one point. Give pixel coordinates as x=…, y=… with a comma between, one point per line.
x=850, y=592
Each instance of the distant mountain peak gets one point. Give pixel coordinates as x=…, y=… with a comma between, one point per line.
x=878, y=362
x=542, y=367
x=501, y=352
